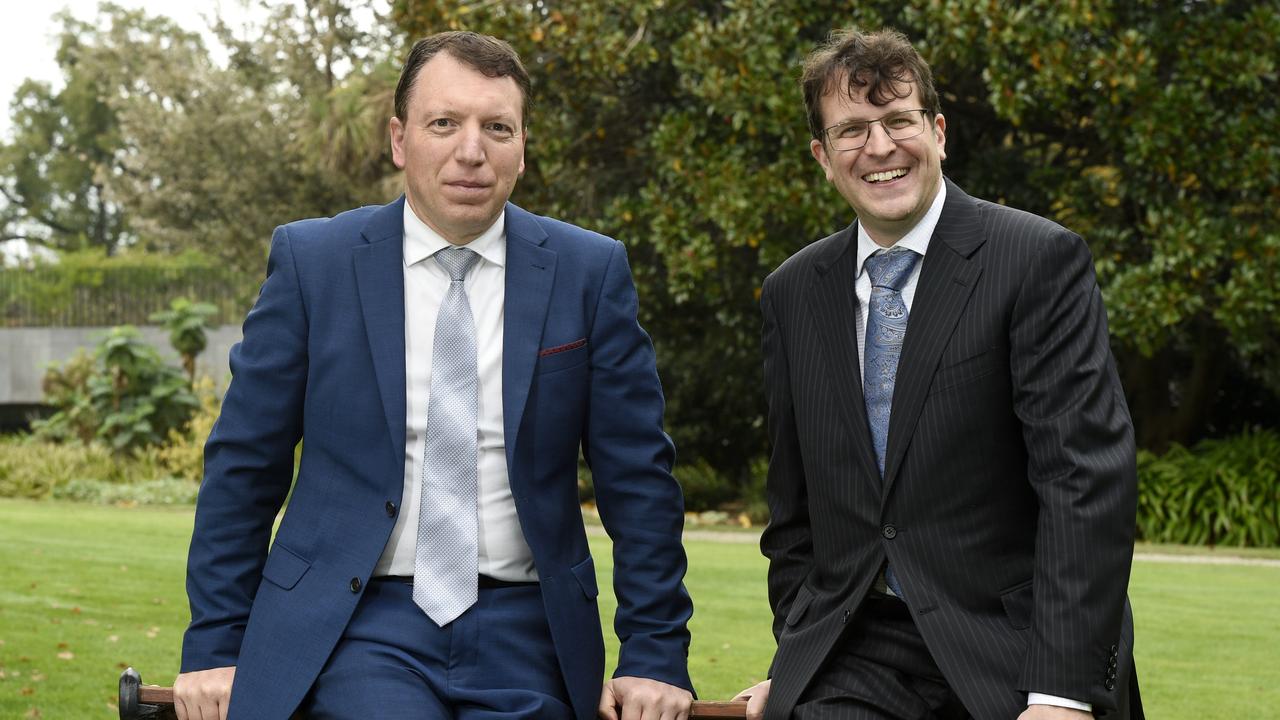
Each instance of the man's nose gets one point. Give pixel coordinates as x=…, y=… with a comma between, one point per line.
x=470, y=148
x=878, y=140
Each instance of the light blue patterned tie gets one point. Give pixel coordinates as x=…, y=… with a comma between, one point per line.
x=444, y=569
x=886, y=328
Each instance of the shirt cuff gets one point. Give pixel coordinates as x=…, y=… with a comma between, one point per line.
x=1042, y=699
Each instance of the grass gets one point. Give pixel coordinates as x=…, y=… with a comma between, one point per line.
x=86, y=590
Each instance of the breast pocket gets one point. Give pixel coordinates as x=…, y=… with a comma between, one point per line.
x=562, y=357
x=970, y=369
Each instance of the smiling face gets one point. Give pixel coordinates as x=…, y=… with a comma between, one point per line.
x=461, y=146
x=889, y=184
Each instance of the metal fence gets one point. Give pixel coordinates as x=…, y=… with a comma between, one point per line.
x=89, y=297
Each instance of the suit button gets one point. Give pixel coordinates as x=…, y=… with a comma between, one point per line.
x=391, y=509
x=889, y=532
x=845, y=619
x=1110, y=684
x=1115, y=649
x=1114, y=662
x=1111, y=674
x=355, y=584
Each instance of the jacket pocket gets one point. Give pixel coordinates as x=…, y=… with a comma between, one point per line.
x=284, y=567
x=554, y=359
x=585, y=572
x=1017, y=602
x=970, y=369
x=799, y=605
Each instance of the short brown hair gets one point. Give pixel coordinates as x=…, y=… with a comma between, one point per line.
x=487, y=54
x=879, y=61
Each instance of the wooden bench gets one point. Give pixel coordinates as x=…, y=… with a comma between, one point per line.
x=152, y=702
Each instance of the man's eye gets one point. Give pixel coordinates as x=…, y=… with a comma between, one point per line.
x=501, y=129
x=900, y=121
x=854, y=130
x=441, y=123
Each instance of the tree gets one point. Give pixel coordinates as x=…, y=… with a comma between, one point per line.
x=679, y=128
x=66, y=147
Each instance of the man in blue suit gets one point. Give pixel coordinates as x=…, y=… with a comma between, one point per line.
x=443, y=358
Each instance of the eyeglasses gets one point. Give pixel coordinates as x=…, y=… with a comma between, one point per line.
x=900, y=125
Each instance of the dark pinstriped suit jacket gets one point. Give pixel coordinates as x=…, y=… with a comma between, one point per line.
x=1009, y=497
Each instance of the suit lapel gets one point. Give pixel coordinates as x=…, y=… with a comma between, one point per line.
x=947, y=279
x=379, y=268
x=834, y=305
x=530, y=272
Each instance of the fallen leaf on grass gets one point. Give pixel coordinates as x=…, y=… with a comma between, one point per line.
x=122, y=665
x=34, y=713
x=153, y=632
x=37, y=676
x=113, y=638
x=27, y=691
x=90, y=621
x=66, y=655
x=63, y=646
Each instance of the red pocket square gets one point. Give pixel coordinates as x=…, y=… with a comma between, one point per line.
x=562, y=348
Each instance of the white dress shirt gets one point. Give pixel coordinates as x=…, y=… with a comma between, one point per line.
x=503, y=552
x=917, y=239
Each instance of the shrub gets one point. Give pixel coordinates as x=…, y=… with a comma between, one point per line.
x=183, y=453
x=36, y=470
x=126, y=396
x=704, y=488
x=1221, y=492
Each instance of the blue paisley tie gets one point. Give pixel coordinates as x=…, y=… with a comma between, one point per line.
x=886, y=328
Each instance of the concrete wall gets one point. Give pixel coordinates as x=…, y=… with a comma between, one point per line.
x=26, y=352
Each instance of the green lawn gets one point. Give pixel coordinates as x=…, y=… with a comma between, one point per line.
x=86, y=590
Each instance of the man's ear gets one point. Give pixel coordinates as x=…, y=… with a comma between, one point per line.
x=820, y=154
x=940, y=133
x=395, y=129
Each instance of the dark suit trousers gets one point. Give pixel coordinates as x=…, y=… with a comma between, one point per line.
x=496, y=661
x=880, y=670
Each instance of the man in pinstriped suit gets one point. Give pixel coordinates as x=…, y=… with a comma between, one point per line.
x=953, y=508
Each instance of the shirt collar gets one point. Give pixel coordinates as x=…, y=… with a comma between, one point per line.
x=916, y=239
x=421, y=242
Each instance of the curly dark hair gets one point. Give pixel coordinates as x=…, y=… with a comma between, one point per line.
x=882, y=62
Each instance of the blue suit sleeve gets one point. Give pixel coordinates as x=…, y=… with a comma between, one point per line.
x=248, y=466
x=639, y=500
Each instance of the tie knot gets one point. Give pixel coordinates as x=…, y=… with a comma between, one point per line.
x=890, y=269
x=456, y=261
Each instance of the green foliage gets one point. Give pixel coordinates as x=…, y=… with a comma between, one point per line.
x=186, y=322
x=128, y=397
x=34, y=469
x=1221, y=492
x=704, y=488
x=88, y=289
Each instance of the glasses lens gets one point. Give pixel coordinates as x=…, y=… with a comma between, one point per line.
x=903, y=125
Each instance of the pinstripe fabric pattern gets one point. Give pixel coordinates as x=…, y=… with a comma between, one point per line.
x=1009, y=495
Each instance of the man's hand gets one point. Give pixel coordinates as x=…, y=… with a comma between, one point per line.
x=630, y=698
x=1053, y=712
x=203, y=694
x=756, y=696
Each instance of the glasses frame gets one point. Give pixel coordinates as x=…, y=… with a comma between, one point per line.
x=830, y=141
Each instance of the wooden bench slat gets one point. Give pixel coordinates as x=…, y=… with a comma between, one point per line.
x=162, y=699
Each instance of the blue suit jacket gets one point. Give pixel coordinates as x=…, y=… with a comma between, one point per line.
x=323, y=360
